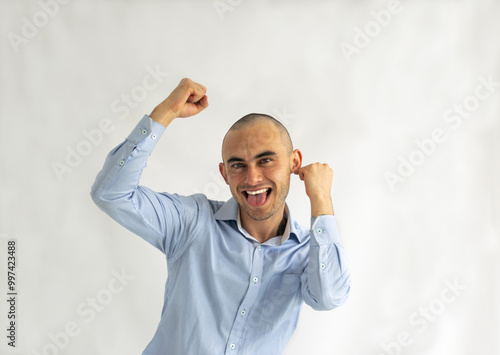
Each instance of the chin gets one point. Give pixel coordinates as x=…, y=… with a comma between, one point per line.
x=258, y=217
x=259, y=213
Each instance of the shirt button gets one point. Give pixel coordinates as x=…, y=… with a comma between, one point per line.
x=144, y=131
x=153, y=136
x=122, y=162
x=255, y=279
x=259, y=247
x=243, y=313
x=319, y=230
x=232, y=346
x=323, y=265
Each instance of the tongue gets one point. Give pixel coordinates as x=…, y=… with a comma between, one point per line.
x=257, y=200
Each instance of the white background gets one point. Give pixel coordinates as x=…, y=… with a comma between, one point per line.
x=360, y=113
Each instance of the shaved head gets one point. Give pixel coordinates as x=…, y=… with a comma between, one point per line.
x=254, y=118
x=257, y=162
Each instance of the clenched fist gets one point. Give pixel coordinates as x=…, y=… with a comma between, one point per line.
x=187, y=99
x=318, y=182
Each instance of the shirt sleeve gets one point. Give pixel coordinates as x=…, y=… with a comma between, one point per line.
x=166, y=221
x=326, y=279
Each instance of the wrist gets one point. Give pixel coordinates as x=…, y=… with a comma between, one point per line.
x=321, y=205
x=163, y=115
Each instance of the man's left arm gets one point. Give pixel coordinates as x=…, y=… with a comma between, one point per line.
x=326, y=279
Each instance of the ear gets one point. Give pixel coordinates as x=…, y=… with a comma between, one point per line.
x=222, y=169
x=296, y=161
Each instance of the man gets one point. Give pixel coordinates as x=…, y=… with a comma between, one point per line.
x=238, y=271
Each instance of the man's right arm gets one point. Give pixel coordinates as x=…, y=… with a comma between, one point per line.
x=153, y=216
x=188, y=99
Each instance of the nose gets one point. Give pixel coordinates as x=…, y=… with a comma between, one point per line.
x=253, y=176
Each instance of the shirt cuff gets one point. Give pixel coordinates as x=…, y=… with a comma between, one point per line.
x=146, y=134
x=324, y=230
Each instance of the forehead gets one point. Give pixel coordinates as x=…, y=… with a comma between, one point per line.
x=248, y=141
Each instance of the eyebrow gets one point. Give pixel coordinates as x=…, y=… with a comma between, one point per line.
x=261, y=155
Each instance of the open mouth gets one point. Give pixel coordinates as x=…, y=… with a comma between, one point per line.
x=257, y=198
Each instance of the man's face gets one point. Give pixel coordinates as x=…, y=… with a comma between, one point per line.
x=257, y=168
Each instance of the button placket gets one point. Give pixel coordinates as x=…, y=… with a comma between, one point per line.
x=248, y=301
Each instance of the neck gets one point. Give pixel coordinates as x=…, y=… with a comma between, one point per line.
x=266, y=229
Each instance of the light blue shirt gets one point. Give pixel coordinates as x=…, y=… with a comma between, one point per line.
x=225, y=292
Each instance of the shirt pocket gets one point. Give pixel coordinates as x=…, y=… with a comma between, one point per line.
x=282, y=299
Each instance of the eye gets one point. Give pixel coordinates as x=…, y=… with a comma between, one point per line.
x=237, y=166
x=265, y=160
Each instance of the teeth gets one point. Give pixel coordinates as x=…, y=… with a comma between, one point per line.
x=257, y=192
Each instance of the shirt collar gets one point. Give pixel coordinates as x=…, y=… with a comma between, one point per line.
x=229, y=211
